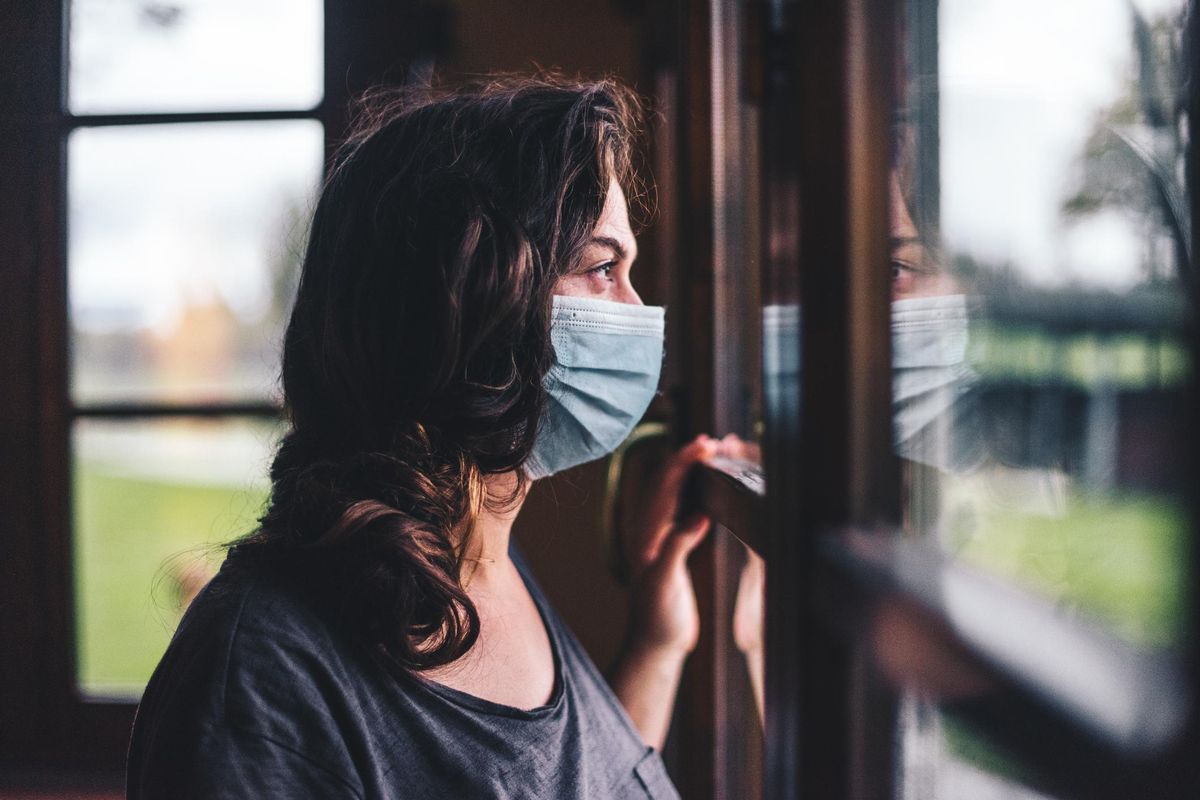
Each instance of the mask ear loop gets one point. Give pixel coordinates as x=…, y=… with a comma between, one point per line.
x=614, y=543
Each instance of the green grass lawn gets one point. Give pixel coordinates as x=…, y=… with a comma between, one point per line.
x=1115, y=559
x=132, y=537
x=1120, y=560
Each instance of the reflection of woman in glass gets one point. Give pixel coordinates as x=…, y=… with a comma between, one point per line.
x=935, y=417
x=465, y=324
x=915, y=272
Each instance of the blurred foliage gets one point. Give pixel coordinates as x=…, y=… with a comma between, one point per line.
x=1135, y=158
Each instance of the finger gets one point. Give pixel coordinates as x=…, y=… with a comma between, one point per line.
x=663, y=505
x=733, y=446
x=700, y=448
x=679, y=540
x=685, y=538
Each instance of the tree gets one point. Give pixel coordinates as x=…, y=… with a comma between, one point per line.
x=1135, y=159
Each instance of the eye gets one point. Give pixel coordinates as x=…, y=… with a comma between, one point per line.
x=906, y=270
x=904, y=277
x=604, y=269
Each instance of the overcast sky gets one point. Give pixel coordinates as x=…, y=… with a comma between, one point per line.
x=1022, y=82
x=166, y=216
x=161, y=217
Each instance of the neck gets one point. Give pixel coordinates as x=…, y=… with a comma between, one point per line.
x=488, y=543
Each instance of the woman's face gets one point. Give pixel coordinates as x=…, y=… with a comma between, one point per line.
x=603, y=271
x=914, y=273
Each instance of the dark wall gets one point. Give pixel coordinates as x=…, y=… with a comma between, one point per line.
x=593, y=38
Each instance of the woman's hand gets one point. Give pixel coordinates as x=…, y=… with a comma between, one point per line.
x=665, y=618
x=665, y=622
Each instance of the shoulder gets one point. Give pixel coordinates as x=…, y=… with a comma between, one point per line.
x=256, y=679
x=286, y=656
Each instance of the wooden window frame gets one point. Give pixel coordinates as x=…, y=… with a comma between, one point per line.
x=715, y=742
x=832, y=560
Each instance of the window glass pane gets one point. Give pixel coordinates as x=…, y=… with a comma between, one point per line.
x=944, y=760
x=1039, y=351
x=135, y=56
x=152, y=502
x=1039, y=318
x=184, y=246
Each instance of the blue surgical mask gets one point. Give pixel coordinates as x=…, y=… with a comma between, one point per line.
x=933, y=404
x=607, y=358
x=935, y=408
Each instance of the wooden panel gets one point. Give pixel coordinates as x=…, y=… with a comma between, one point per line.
x=716, y=717
x=826, y=161
x=733, y=495
x=29, y=172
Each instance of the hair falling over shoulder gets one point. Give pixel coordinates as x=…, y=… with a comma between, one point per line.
x=414, y=357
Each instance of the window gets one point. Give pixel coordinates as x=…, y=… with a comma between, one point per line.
x=978, y=566
x=160, y=159
x=183, y=246
x=980, y=513
x=1053, y=203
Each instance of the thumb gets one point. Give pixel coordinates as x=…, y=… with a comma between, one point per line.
x=685, y=538
x=675, y=471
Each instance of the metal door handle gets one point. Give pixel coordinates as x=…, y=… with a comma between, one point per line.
x=614, y=549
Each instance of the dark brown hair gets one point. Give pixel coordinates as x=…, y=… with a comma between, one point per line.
x=415, y=353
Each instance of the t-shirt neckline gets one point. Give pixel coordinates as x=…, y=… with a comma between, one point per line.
x=476, y=703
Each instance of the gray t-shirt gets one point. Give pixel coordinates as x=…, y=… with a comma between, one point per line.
x=260, y=695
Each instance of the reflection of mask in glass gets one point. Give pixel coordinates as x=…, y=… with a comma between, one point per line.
x=933, y=419
x=781, y=364
x=607, y=358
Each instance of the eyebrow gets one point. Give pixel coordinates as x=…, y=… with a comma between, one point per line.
x=900, y=241
x=612, y=244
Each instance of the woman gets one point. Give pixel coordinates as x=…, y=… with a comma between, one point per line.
x=465, y=324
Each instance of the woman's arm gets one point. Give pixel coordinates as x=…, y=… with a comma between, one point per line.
x=664, y=623
x=646, y=683
x=663, y=629
x=646, y=674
